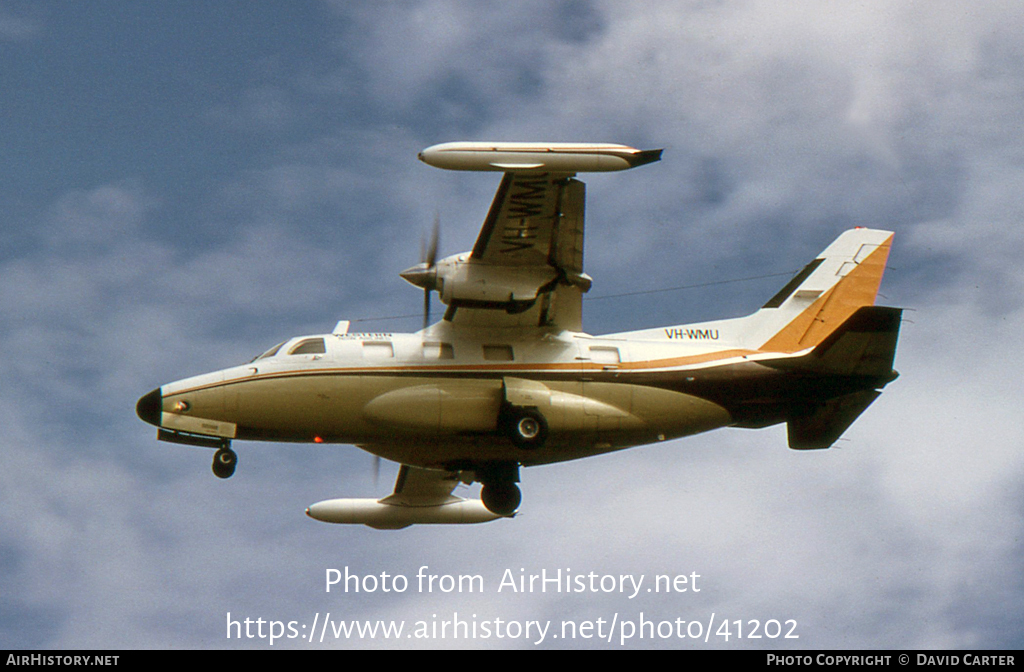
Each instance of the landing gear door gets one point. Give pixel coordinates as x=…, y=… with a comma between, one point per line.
x=526, y=393
x=602, y=383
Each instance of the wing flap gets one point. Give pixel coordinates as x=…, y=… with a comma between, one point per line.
x=567, y=238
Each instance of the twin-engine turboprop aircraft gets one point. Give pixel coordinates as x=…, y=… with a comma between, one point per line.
x=508, y=379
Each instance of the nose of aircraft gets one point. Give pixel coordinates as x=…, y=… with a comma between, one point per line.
x=150, y=407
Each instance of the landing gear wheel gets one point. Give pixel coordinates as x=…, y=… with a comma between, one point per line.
x=224, y=462
x=501, y=498
x=526, y=427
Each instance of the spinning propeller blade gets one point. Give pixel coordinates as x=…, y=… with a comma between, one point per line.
x=429, y=256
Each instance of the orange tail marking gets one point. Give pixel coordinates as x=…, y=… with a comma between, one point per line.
x=858, y=288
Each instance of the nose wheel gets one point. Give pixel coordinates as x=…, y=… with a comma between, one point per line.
x=224, y=462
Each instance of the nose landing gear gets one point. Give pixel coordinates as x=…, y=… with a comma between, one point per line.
x=224, y=462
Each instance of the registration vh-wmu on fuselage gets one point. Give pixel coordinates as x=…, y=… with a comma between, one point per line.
x=507, y=379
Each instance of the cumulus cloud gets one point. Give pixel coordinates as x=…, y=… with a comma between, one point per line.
x=784, y=125
x=17, y=26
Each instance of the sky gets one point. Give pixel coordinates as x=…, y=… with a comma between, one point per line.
x=185, y=184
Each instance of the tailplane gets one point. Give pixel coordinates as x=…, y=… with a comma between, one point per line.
x=819, y=426
x=859, y=357
x=864, y=345
x=824, y=328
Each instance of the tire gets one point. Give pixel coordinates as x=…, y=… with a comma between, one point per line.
x=501, y=498
x=224, y=462
x=526, y=427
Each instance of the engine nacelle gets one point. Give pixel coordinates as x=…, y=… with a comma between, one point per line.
x=462, y=281
x=465, y=283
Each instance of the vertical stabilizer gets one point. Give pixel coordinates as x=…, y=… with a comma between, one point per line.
x=827, y=292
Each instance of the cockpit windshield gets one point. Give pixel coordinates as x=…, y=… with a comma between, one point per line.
x=310, y=346
x=270, y=353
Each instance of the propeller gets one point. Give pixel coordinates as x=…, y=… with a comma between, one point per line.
x=424, y=274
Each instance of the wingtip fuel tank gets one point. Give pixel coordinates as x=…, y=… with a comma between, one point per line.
x=384, y=516
x=537, y=156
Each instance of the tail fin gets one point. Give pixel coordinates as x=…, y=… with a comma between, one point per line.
x=829, y=308
x=825, y=294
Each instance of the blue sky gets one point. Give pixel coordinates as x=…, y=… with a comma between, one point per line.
x=185, y=184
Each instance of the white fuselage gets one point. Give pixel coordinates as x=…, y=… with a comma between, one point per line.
x=433, y=398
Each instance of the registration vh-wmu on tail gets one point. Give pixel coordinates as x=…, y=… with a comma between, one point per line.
x=508, y=379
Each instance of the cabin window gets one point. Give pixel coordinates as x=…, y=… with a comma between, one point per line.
x=438, y=351
x=378, y=349
x=605, y=355
x=498, y=353
x=310, y=346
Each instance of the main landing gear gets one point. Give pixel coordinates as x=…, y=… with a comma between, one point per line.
x=500, y=494
x=501, y=498
x=525, y=426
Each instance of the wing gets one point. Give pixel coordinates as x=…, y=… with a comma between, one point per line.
x=423, y=487
x=526, y=268
x=525, y=225
x=533, y=237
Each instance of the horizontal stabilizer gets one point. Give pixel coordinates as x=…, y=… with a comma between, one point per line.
x=822, y=425
x=864, y=345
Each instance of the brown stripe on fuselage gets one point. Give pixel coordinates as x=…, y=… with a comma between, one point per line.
x=484, y=369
